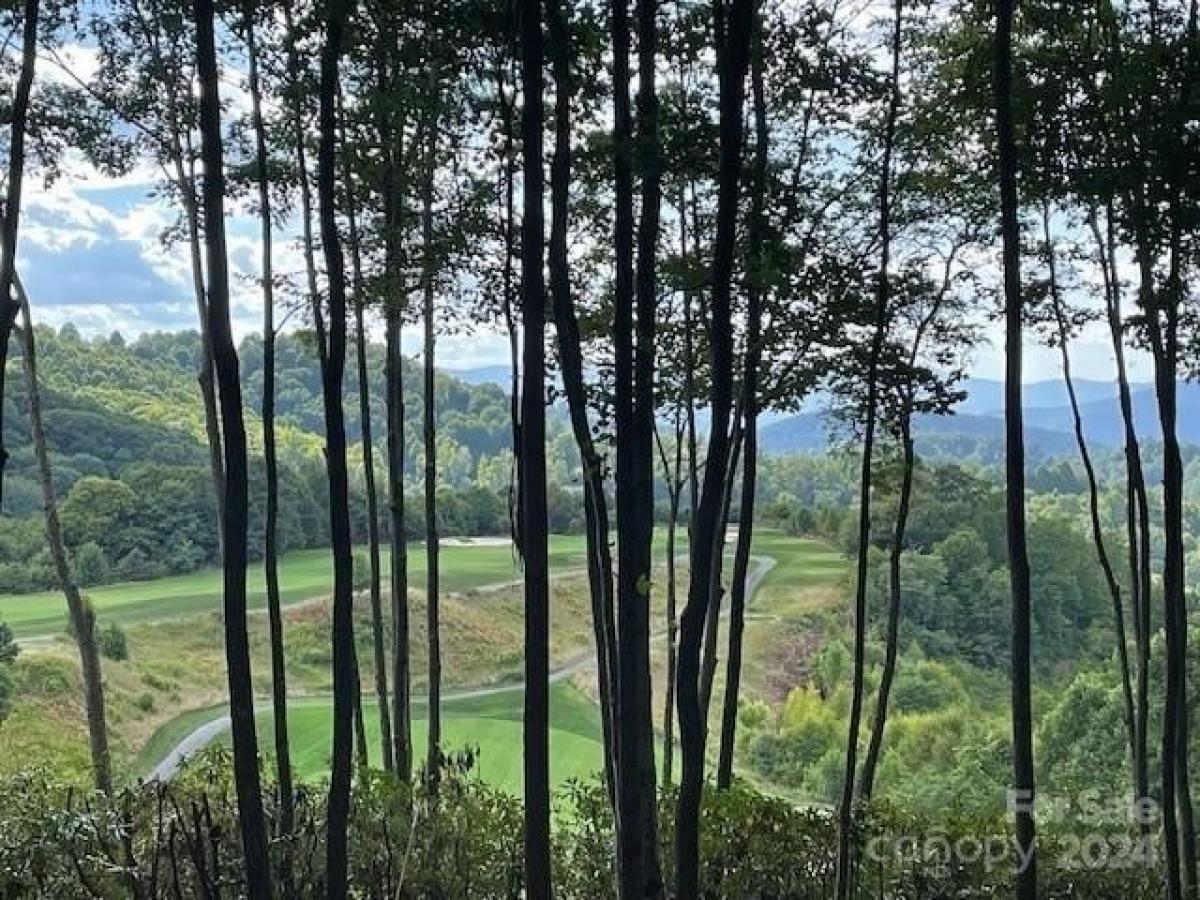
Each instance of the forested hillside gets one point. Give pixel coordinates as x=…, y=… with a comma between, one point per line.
x=126, y=429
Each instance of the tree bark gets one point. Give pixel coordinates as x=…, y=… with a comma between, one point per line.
x=1114, y=589
x=757, y=233
x=237, y=648
x=846, y=869
x=283, y=760
x=429, y=419
x=345, y=674
x=18, y=119
x=732, y=43
x=83, y=619
x=534, y=525
x=595, y=503
x=1014, y=433
x=368, y=453
x=1137, y=521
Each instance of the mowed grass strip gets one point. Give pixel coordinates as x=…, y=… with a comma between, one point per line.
x=303, y=575
x=491, y=723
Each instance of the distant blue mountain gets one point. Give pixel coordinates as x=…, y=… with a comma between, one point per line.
x=976, y=429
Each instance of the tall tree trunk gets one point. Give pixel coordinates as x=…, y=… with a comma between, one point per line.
x=1137, y=515
x=534, y=525
x=429, y=434
x=673, y=475
x=1114, y=589
x=1014, y=434
x=391, y=135
x=846, y=819
x=83, y=619
x=741, y=556
x=637, y=696
x=595, y=503
x=18, y=119
x=732, y=27
x=237, y=647
x=712, y=623
x=345, y=673
x=514, y=349
x=283, y=758
x=368, y=452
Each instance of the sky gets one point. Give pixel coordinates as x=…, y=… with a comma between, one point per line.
x=91, y=252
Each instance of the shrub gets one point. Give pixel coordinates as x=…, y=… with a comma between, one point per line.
x=113, y=643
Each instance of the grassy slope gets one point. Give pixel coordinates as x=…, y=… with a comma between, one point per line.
x=304, y=574
x=492, y=724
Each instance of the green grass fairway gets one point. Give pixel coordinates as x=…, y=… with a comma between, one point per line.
x=303, y=575
x=492, y=722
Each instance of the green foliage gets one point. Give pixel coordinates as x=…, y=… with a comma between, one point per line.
x=113, y=643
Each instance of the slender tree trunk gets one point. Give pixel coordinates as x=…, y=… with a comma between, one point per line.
x=733, y=23
x=368, y=452
x=283, y=759
x=1014, y=433
x=237, y=648
x=846, y=870
x=83, y=619
x=391, y=133
x=534, y=525
x=745, y=537
x=1110, y=579
x=432, y=589
x=674, y=479
x=18, y=119
x=600, y=569
x=345, y=674
x=708, y=665
x=636, y=695
x=514, y=349
x=1137, y=522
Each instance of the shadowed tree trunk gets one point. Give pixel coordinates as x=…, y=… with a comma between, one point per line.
x=712, y=624
x=1137, y=511
x=18, y=116
x=534, y=525
x=333, y=344
x=1063, y=331
x=1014, y=438
x=732, y=39
x=368, y=452
x=83, y=619
x=846, y=820
x=429, y=433
x=283, y=758
x=595, y=503
x=237, y=649
x=391, y=138
x=673, y=476
x=741, y=556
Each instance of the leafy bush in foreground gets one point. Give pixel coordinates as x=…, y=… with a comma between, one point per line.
x=180, y=841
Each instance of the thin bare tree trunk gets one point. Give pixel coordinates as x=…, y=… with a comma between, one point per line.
x=83, y=619
x=534, y=523
x=251, y=818
x=432, y=574
x=595, y=504
x=846, y=869
x=732, y=40
x=1014, y=433
x=1110, y=579
x=368, y=453
x=333, y=358
x=283, y=759
x=18, y=116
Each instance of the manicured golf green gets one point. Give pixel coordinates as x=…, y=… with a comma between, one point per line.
x=303, y=575
x=492, y=723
